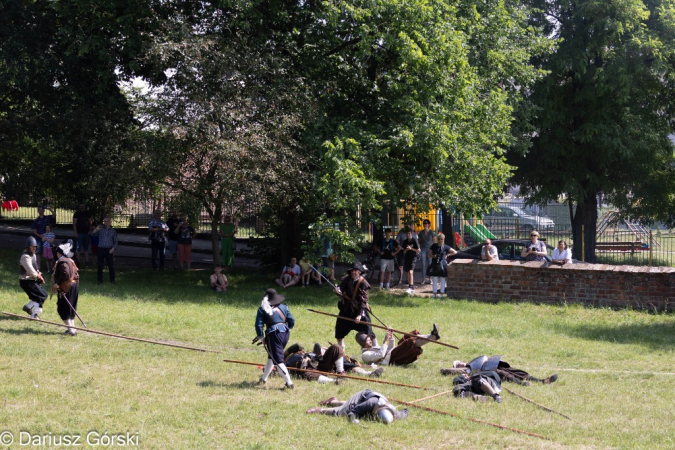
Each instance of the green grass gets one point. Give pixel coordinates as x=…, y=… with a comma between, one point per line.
x=616, y=369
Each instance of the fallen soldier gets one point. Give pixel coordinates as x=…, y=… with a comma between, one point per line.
x=405, y=352
x=363, y=404
x=324, y=359
x=479, y=386
x=504, y=369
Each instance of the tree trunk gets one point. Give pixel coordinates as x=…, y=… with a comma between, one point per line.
x=215, y=242
x=586, y=215
x=447, y=227
x=291, y=238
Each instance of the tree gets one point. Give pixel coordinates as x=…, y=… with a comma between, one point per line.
x=603, y=114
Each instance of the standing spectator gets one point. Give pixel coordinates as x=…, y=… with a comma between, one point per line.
x=400, y=238
x=535, y=250
x=388, y=251
x=426, y=240
x=290, y=275
x=158, y=229
x=30, y=279
x=185, y=234
x=411, y=251
x=438, y=269
x=173, y=222
x=228, y=231
x=82, y=228
x=562, y=255
x=38, y=228
x=47, y=244
x=107, y=240
x=489, y=252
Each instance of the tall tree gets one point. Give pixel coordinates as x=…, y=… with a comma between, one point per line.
x=603, y=114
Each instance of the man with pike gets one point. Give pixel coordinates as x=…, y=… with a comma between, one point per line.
x=353, y=304
x=65, y=282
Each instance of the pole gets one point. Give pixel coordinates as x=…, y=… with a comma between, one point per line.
x=535, y=403
x=71, y=307
x=583, y=244
x=384, y=328
x=651, y=247
x=384, y=324
x=113, y=335
x=322, y=276
x=431, y=396
x=372, y=380
x=515, y=430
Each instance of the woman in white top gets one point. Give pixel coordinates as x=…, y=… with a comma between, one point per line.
x=562, y=254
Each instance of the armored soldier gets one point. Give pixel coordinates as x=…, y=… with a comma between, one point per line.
x=365, y=403
x=30, y=279
x=504, y=369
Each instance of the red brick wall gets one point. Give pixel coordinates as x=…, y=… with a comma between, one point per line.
x=592, y=284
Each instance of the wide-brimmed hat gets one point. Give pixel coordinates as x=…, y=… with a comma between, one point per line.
x=273, y=298
x=65, y=248
x=357, y=266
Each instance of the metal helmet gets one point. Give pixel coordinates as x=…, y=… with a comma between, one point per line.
x=492, y=363
x=476, y=364
x=31, y=242
x=361, y=338
x=385, y=415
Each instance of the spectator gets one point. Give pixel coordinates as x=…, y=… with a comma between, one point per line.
x=38, y=228
x=321, y=270
x=158, y=229
x=438, y=269
x=228, y=230
x=400, y=238
x=185, y=235
x=388, y=251
x=173, y=222
x=306, y=270
x=328, y=257
x=426, y=239
x=535, y=250
x=47, y=244
x=219, y=280
x=290, y=275
x=82, y=228
x=489, y=251
x=107, y=243
x=562, y=255
x=411, y=251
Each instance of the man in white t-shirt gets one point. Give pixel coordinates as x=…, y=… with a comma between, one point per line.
x=489, y=251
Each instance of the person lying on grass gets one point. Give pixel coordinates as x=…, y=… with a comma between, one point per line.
x=324, y=359
x=363, y=404
x=479, y=386
x=503, y=369
x=405, y=352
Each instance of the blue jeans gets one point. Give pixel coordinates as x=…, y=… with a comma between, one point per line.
x=425, y=261
x=157, y=247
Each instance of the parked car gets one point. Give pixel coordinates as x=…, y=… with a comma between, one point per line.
x=508, y=249
x=527, y=220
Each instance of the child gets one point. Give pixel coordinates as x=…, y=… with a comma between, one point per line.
x=218, y=280
x=321, y=270
x=47, y=241
x=307, y=270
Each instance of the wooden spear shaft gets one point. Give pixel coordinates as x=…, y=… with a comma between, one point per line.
x=382, y=327
x=515, y=430
x=535, y=403
x=113, y=335
x=371, y=380
x=431, y=396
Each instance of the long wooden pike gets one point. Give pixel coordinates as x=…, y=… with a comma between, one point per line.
x=384, y=328
x=431, y=396
x=515, y=430
x=535, y=403
x=88, y=330
x=371, y=380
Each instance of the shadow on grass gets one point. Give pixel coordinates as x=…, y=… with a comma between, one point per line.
x=27, y=330
x=242, y=385
x=657, y=336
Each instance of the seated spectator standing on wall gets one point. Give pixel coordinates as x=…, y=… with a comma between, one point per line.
x=82, y=228
x=489, y=251
x=535, y=250
x=561, y=255
x=290, y=275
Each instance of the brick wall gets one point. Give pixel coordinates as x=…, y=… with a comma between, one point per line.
x=593, y=284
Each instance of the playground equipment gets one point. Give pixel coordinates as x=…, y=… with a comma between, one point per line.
x=608, y=224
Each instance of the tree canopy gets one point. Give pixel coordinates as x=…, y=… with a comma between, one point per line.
x=602, y=116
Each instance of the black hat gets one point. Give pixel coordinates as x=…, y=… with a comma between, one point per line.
x=273, y=298
x=357, y=266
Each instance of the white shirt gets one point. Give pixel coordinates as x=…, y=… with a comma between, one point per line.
x=378, y=355
x=565, y=255
x=493, y=252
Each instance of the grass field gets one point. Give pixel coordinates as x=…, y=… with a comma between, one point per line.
x=616, y=368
